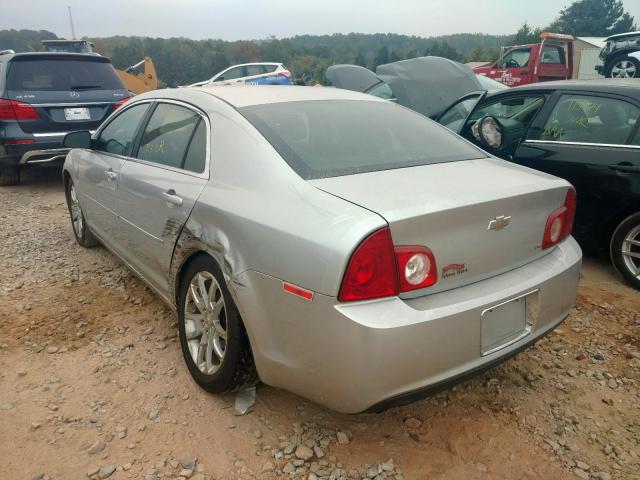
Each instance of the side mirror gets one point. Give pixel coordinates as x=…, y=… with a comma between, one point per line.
x=81, y=139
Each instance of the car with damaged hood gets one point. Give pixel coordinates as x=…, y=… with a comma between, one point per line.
x=427, y=85
x=587, y=132
x=343, y=247
x=621, y=56
x=44, y=96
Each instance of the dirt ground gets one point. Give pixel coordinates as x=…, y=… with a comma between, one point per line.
x=92, y=383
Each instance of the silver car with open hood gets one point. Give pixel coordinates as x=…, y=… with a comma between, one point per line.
x=330, y=243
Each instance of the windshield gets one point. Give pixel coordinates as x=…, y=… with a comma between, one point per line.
x=61, y=74
x=330, y=138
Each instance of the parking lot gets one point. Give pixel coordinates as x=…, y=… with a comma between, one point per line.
x=92, y=379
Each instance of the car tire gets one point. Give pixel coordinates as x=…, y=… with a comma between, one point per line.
x=9, y=176
x=215, y=348
x=81, y=231
x=626, y=240
x=630, y=65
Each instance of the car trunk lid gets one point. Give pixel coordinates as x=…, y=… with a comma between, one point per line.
x=480, y=217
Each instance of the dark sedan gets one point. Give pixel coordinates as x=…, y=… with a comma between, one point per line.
x=587, y=132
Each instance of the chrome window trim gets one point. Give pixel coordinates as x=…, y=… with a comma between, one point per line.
x=205, y=174
x=56, y=134
x=583, y=144
x=77, y=105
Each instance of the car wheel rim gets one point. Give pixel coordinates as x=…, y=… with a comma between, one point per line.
x=631, y=251
x=76, y=213
x=205, y=322
x=624, y=69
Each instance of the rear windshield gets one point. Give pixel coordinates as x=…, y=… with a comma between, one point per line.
x=61, y=74
x=330, y=138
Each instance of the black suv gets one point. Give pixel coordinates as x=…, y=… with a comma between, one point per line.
x=43, y=96
x=621, y=56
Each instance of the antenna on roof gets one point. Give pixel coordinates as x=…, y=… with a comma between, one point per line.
x=73, y=32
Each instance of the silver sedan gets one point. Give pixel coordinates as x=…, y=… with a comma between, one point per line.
x=327, y=242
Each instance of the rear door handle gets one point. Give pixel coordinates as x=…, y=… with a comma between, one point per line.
x=171, y=197
x=110, y=174
x=625, y=168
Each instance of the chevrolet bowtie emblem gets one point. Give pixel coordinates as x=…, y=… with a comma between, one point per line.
x=499, y=223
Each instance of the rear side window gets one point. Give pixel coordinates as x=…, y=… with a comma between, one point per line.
x=553, y=55
x=269, y=68
x=119, y=134
x=167, y=135
x=342, y=137
x=61, y=74
x=196, y=154
x=254, y=70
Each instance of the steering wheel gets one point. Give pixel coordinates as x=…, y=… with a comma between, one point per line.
x=512, y=63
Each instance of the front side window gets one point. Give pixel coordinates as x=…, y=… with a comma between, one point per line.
x=590, y=119
x=167, y=135
x=331, y=138
x=119, y=134
x=453, y=118
x=517, y=58
x=231, y=74
x=553, y=55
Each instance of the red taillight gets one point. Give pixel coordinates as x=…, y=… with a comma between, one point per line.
x=560, y=222
x=13, y=110
x=16, y=141
x=286, y=73
x=378, y=269
x=121, y=102
x=416, y=268
x=371, y=272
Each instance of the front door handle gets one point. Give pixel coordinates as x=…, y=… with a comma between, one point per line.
x=110, y=174
x=171, y=197
x=625, y=168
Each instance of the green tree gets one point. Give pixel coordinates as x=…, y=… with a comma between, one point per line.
x=360, y=60
x=394, y=57
x=381, y=57
x=598, y=18
x=526, y=34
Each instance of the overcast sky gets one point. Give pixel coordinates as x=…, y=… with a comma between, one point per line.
x=255, y=19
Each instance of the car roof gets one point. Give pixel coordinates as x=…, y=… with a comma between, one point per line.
x=247, y=95
x=252, y=63
x=623, y=86
x=93, y=56
x=622, y=35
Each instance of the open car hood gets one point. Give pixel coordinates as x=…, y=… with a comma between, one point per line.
x=352, y=77
x=428, y=85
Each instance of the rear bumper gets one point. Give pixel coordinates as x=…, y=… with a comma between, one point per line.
x=32, y=153
x=350, y=357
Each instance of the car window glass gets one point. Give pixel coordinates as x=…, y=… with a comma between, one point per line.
x=167, y=135
x=590, y=119
x=254, y=70
x=196, y=154
x=517, y=58
x=453, y=118
x=231, y=74
x=118, y=135
x=553, y=55
x=342, y=137
x=636, y=138
x=382, y=90
x=269, y=68
x=518, y=108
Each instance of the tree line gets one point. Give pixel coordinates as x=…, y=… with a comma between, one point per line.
x=180, y=61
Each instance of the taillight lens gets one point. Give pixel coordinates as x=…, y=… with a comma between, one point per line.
x=371, y=272
x=286, y=73
x=121, y=102
x=416, y=268
x=378, y=269
x=560, y=222
x=13, y=110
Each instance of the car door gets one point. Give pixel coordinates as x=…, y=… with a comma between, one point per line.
x=159, y=187
x=515, y=68
x=99, y=167
x=552, y=64
x=587, y=138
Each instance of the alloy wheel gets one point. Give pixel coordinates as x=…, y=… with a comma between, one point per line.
x=631, y=251
x=205, y=322
x=623, y=69
x=76, y=212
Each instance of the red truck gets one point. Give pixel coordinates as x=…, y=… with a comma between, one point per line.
x=551, y=59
